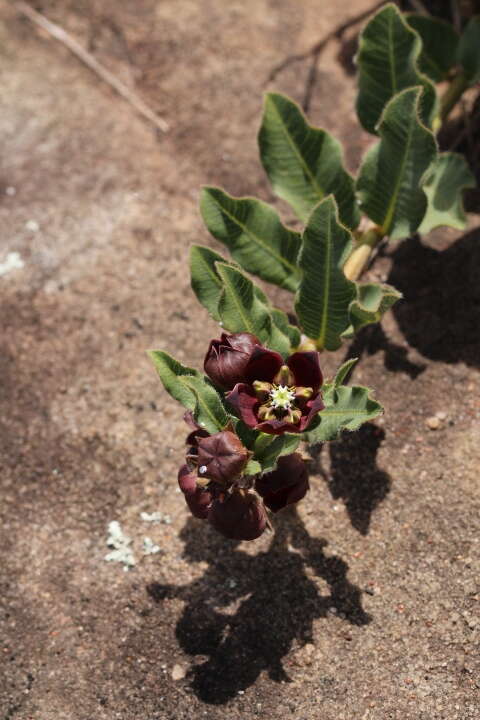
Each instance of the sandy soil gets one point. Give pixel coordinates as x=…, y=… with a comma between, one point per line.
x=364, y=606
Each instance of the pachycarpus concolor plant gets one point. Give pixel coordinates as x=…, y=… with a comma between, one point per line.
x=262, y=392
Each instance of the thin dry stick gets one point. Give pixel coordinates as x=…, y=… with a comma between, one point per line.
x=59, y=34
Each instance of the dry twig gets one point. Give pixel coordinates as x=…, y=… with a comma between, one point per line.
x=87, y=58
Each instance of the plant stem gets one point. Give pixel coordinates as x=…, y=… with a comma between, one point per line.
x=360, y=256
x=452, y=95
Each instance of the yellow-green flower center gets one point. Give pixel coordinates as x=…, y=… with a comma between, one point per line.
x=282, y=397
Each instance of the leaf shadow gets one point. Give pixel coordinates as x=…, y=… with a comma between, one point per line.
x=242, y=616
x=440, y=313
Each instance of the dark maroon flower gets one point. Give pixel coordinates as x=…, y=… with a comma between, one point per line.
x=275, y=397
x=285, y=485
x=221, y=457
x=239, y=515
x=227, y=358
x=197, y=498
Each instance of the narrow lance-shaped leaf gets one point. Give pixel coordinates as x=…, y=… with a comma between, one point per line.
x=192, y=390
x=253, y=233
x=371, y=303
x=347, y=408
x=239, y=307
x=443, y=183
x=469, y=50
x=387, y=63
x=388, y=185
x=302, y=162
x=205, y=281
x=325, y=293
x=439, y=45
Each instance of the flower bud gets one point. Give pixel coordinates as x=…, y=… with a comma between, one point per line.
x=198, y=499
x=221, y=457
x=227, y=358
x=240, y=516
x=285, y=485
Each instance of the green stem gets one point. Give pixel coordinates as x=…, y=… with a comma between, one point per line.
x=361, y=254
x=452, y=95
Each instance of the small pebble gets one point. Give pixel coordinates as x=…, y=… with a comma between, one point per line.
x=178, y=672
x=10, y=191
x=433, y=423
x=32, y=225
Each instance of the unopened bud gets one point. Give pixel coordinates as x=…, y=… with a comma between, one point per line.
x=221, y=457
x=240, y=515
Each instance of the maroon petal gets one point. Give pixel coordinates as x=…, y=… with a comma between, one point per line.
x=313, y=407
x=285, y=485
x=197, y=499
x=278, y=427
x=199, y=503
x=306, y=368
x=243, y=400
x=240, y=516
x=187, y=480
x=263, y=365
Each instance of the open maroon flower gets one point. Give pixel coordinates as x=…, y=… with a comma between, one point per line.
x=239, y=515
x=221, y=457
x=227, y=358
x=285, y=485
x=275, y=397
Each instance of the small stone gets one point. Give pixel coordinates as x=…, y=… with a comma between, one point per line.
x=10, y=191
x=441, y=415
x=178, y=672
x=32, y=225
x=433, y=423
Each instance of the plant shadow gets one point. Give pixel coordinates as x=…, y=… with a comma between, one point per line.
x=440, y=313
x=245, y=612
x=354, y=476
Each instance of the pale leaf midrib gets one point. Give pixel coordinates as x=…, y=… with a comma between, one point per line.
x=239, y=307
x=326, y=294
x=393, y=201
x=266, y=248
x=307, y=170
x=201, y=402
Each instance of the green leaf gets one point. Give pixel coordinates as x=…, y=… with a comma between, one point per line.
x=253, y=233
x=347, y=408
x=325, y=293
x=443, y=183
x=291, y=331
x=439, y=45
x=343, y=371
x=205, y=281
x=469, y=50
x=302, y=162
x=372, y=302
x=387, y=63
x=192, y=390
x=268, y=448
x=388, y=185
x=253, y=468
x=239, y=307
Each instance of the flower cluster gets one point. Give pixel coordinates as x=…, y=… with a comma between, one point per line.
x=267, y=394
x=270, y=396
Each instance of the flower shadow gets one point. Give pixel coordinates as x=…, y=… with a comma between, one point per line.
x=244, y=614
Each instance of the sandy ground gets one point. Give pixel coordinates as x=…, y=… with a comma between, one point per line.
x=362, y=607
